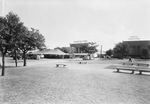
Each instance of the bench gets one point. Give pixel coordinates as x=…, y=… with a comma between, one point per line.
x=63, y=65
x=141, y=67
x=126, y=68
x=143, y=70
x=142, y=64
x=82, y=62
x=128, y=63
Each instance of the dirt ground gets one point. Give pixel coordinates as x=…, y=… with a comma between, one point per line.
x=41, y=82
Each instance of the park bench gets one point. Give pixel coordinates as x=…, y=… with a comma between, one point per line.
x=141, y=67
x=128, y=63
x=141, y=64
x=143, y=70
x=82, y=62
x=126, y=69
x=63, y=65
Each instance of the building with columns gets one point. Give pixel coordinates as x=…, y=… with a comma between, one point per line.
x=77, y=45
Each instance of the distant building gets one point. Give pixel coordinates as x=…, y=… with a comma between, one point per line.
x=136, y=47
x=77, y=45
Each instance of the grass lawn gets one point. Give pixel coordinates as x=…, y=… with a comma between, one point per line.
x=41, y=82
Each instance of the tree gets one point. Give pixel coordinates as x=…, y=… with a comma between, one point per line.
x=145, y=53
x=4, y=40
x=8, y=27
x=89, y=48
x=109, y=52
x=121, y=49
x=30, y=40
x=14, y=25
x=15, y=36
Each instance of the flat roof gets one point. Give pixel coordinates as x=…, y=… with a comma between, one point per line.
x=137, y=41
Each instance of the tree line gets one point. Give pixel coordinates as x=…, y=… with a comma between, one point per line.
x=15, y=36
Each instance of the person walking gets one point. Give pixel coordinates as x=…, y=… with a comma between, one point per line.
x=130, y=60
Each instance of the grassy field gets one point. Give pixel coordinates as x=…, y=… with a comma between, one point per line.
x=41, y=82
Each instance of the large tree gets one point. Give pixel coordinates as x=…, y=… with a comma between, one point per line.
x=14, y=25
x=89, y=48
x=109, y=52
x=121, y=49
x=8, y=26
x=30, y=40
x=5, y=38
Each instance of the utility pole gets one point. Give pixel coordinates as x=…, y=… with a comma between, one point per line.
x=101, y=52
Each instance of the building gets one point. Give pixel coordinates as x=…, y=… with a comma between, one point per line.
x=77, y=46
x=136, y=47
x=76, y=49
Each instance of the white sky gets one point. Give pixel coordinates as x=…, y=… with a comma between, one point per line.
x=105, y=22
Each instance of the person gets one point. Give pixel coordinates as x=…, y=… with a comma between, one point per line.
x=130, y=60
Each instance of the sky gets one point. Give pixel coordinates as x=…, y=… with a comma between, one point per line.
x=62, y=22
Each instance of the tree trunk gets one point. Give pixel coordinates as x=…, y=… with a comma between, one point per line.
x=3, y=64
x=16, y=63
x=24, y=58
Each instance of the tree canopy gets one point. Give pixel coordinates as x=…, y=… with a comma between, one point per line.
x=109, y=52
x=121, y=49
x=8, y=31
x=29, y=40
x=89, y=47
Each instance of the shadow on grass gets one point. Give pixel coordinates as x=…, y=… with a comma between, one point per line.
x=10, y=66
x=111, y=67
x=122, y=72
x=143, y=74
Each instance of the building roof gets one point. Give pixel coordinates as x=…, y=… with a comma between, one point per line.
x=137, y=41
x=50, y=52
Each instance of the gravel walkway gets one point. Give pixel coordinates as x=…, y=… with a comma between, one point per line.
x=93, y=83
